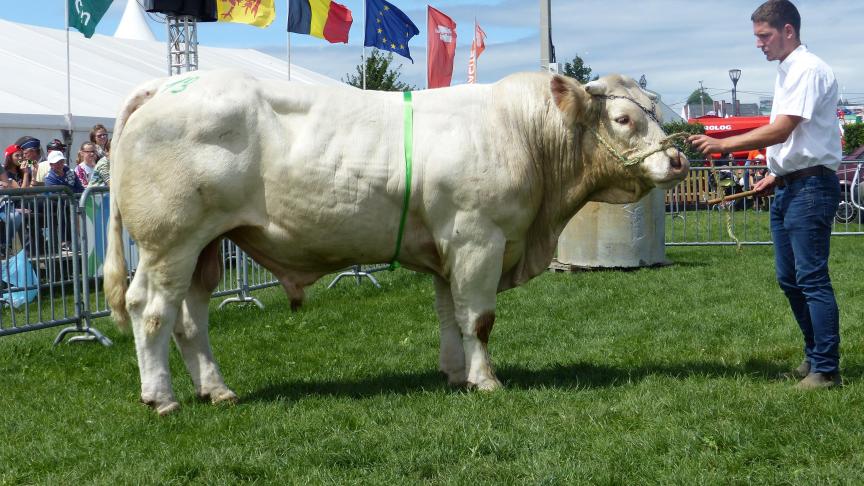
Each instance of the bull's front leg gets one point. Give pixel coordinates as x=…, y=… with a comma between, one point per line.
x=451, y=357
x=474, y=277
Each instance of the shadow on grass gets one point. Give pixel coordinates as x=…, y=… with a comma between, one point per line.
x=579, y=375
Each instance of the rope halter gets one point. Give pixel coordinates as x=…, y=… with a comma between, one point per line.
x=633, y=156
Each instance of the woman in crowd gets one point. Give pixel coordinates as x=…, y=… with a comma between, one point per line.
x=86, y=162
x=99, y=136
x=13, y=168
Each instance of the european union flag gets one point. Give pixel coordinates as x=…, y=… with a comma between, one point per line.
x=388, y=28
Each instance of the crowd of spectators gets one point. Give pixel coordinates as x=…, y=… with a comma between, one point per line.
x=25, y=165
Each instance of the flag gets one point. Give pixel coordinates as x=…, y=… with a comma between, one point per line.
x=478, y=45
x=441, y=44
x=85, y=14
x=320, y=18
x=388, y=28
x=259, y=13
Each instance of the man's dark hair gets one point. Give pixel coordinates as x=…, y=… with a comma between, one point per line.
x=778, y=13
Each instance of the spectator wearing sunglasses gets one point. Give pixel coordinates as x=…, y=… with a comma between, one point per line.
x=99, y=136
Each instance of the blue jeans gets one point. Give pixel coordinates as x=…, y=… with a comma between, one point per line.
x=801, y=218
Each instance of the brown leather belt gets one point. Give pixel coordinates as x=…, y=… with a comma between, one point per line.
x=816, y=170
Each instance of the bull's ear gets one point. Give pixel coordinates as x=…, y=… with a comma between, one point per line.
x=570, y=98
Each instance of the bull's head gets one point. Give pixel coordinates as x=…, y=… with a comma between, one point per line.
x=621, y=137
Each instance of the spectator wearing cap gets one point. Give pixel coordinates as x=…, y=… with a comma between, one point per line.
x=32, y=149
x=60, y=175
x=13, y=157
x=86, y=162
x=44, y=167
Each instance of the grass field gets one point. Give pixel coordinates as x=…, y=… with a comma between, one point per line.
x=656, y=376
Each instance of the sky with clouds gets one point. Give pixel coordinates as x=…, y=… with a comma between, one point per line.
x=674, y=43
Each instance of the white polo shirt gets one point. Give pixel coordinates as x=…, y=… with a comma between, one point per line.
x=806, y=87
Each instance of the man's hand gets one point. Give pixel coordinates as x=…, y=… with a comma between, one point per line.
x=765, y=185
x=707, y=145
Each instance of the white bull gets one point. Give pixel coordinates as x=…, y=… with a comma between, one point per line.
x=308, y=180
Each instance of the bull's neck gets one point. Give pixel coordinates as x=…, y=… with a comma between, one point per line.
x=560, y=163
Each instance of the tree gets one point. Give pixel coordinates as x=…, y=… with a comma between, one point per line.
x=578, y=70
x=699, y=96
x=692, y=129
x=379, y=76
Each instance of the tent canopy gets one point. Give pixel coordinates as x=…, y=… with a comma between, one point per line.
x=104, y=70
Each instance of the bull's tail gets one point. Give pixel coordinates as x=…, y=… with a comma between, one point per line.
x=115, y=280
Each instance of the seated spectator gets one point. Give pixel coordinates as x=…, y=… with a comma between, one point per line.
x=86, y=162
x=14, y=157
x=44, y=168
x=32, y=148
x=60, y=175
x=12, y=217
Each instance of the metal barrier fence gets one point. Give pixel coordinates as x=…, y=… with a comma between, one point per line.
x=691, y=220
x=52, y=244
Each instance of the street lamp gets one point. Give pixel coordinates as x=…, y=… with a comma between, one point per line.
x=734, y=75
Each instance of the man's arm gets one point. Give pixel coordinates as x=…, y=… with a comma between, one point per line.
x=771, y=134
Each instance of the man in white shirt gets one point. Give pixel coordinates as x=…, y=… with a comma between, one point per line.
x=803, y=155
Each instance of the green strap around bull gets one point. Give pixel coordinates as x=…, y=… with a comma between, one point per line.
x=409, y=150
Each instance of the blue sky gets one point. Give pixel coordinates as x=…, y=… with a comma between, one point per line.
x=674, y=43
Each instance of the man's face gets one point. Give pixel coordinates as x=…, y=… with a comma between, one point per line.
x=775, y=44
x=31, y=154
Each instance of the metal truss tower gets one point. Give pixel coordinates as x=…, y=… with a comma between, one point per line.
x=182, y=43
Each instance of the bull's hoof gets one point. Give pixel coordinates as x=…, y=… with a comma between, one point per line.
x=224, y=396
x=167, y=408
x=162, y=408
x=487, y=384
x=219, y=395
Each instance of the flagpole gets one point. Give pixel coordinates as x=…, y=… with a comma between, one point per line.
x=68, y=75
x=474, y=50
x=363, y=55
x=288, y=10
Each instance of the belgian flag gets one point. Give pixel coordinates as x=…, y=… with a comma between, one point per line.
x=320, y=18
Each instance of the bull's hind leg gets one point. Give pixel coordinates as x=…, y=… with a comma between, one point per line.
x=191, y=334
x=153, y=301
x=451, y=358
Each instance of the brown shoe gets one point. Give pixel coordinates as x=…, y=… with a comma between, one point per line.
x=817, y=381
x=798, y=373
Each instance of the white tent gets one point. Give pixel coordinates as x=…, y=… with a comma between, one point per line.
x=104, y=70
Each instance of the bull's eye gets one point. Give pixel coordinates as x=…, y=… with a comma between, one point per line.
x=623, y=120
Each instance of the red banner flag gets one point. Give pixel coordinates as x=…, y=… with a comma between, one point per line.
x=478, y=45
x=441, y=43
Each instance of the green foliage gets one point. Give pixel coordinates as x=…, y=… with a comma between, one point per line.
x=379, y=75
x=854, y=136
x=698, y=94
x=578, y=70
x=692, y=128
x=656, y=376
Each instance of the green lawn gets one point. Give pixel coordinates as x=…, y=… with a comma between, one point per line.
x=659, y=376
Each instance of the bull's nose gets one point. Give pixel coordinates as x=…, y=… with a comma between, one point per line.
x=678, y=161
